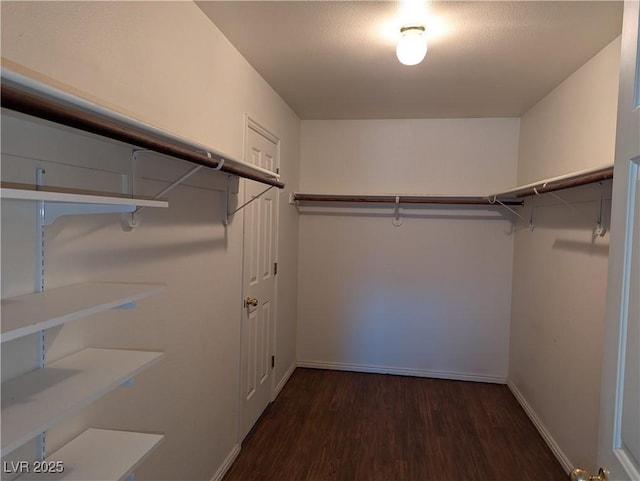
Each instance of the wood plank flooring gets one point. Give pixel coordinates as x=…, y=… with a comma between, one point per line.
x=344, y=426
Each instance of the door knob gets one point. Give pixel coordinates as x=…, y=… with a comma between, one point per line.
x=250, y=301
x=579, y=474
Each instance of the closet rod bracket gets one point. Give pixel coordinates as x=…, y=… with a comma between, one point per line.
x=397, y=219
x=600, y=229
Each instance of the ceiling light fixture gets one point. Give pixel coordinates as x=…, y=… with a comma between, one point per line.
x=412, y=46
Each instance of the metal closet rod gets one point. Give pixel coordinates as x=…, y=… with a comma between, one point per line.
x=27, y=101
x=510, y=197
x=401, y=199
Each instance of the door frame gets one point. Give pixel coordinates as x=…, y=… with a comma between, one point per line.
x=251, y=123
x=627, y=165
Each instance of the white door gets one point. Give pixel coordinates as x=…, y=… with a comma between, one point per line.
x=619, y=438
x=258, y=284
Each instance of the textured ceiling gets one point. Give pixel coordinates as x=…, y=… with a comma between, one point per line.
x=336, y=59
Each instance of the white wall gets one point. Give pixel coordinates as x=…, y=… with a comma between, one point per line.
x=166, y=64
x=431, y=297
x=560, y=269
x=571, y=128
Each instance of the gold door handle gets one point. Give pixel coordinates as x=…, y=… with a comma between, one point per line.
x=579, y=474
x=250, y=302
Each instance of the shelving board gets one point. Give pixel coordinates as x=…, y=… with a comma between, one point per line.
x=77, y=197
x=99, y=454
x=34, y=402
x=24, y=315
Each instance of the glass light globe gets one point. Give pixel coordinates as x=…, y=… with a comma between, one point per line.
x=412, y=46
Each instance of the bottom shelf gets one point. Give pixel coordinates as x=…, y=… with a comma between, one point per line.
x=34, y=402
x=99, y=454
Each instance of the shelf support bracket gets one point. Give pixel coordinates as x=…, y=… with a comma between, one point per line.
x=230, y=214
x=225, y=202
x=495, y=200
x=132, y=220
x=532, y=224
x=54, y=210
x=599, y=230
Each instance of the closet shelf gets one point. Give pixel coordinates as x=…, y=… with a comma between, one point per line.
x=31, y=97
x=100, y=454
x=567, y=181
x=34, y=402
x=401, y=199
x=74, y=196
x=509, y=197
x=24, y=315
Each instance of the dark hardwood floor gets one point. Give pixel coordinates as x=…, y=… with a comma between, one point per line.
x=332, y=425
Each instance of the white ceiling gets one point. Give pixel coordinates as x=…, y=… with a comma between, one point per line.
x=336, y=59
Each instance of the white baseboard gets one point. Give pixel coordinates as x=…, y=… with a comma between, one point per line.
x=222, y=470
x=284, y=379
x=456, y=376
x=544, y=432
